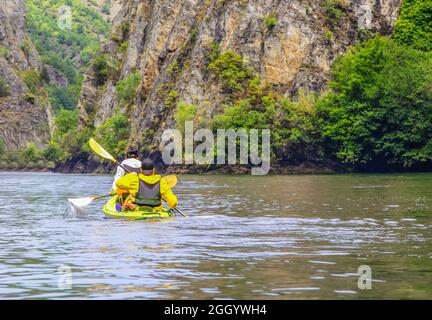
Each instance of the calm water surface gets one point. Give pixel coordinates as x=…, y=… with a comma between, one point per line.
x=274, y=237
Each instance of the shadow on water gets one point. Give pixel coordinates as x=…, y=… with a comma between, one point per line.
x=278, y=237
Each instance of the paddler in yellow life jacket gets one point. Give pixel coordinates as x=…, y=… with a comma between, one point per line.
x=146, y=189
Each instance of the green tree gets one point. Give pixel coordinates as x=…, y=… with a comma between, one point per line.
x=380, y=108
x=2, y=147
x=65, y=121
x=100, y=67
x=414, y=26
x=114, y=133
x=53, y=152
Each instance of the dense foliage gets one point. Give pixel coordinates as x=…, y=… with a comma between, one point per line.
x=379, y=112
x=68, y=50
x=254, y=105
x=113, y=134
x=414, y=26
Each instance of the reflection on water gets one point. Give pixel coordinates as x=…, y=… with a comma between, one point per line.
x=274, y=237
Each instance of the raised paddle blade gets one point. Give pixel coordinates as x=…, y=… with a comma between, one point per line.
x=81, y=202
x=170, y=181
x=97, y=148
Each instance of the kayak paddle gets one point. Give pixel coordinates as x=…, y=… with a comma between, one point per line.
x=179, y=211
x=83, y=202
x=98, y=149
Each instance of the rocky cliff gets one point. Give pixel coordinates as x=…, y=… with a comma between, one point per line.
x=24, y=117
x=291, y=44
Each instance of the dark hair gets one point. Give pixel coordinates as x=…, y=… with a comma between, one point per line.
x=147, y=164
x=132, y=153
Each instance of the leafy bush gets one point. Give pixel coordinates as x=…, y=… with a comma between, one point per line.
x=171, y=98
x=74, y=144
x=114, y=133
x=100, y=67
x=53, y=152
x=380, y=109
x=126, y=88
x=65, y=121
x=333, y=12
x=29, y=97
x=230, y=68
x=4, y=88
x=32, y=79
x=414, y=26
x=183, y=113
x=30, y=154
x=270, y=21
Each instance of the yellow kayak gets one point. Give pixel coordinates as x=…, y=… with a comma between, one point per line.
x=111, y=212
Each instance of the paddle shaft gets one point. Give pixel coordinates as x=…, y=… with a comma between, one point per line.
x=101, y=197
x=179, y=211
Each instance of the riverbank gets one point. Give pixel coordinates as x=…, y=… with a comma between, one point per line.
x=94, y=167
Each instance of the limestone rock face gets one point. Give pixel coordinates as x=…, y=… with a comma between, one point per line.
x=24, y=118
x=296, y=52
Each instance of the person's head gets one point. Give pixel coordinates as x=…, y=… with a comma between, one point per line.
x=147, y=167
x=132, y=153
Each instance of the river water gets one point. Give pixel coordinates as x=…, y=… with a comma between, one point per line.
x=245, y=237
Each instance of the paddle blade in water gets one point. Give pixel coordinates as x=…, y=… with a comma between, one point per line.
x=97, y=148
x=81, y=202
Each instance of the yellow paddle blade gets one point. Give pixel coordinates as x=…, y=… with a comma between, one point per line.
x=98, y=149
x=170, y=181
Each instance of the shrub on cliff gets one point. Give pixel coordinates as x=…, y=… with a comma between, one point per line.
x=333, y=10
x=2, y=147
x=230, y=68
x=270, y=21
x=380, y=109
x=4, y=88
x=32, y=79
x=127, y=87
x=100, y=67
x=183, y=113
